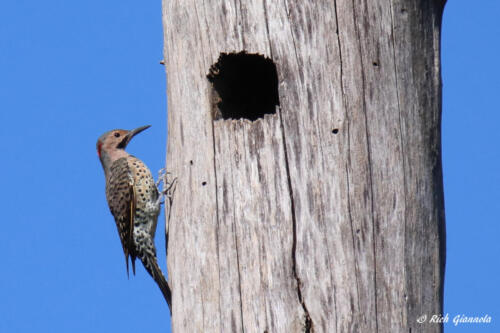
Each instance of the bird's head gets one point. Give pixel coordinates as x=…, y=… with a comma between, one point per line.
x=111, y=145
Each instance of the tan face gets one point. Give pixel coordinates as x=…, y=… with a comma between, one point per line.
x=111, y=140
x=111, y=145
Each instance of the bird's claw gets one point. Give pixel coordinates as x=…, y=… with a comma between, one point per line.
x=168, y=186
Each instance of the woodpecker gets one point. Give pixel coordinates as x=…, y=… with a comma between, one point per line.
x=134, y=201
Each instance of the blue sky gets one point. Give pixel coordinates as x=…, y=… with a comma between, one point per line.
x=471, y=160
x=70, y=71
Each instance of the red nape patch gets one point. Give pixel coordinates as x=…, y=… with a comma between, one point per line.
x=99, y=146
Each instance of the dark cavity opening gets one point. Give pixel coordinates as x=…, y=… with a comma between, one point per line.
x=245, y=86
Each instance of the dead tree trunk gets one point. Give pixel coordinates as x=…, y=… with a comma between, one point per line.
x=309, y=193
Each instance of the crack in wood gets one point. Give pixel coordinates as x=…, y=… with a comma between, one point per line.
x=308, y=323
x=369, y=155
x=402, y=140
x=335, y=131
x=216, y=205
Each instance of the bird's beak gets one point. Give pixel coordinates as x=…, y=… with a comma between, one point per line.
x=131, y=134
x=138, y=130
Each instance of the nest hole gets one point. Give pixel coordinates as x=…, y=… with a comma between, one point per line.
x=245, y=86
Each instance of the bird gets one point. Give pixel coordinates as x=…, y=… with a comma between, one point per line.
x=134, y=202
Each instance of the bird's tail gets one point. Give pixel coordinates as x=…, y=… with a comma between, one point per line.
x=151, y=264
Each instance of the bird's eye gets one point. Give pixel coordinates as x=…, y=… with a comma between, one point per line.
x=117, y=135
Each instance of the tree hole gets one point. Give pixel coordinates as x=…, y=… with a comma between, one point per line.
x=245, y=86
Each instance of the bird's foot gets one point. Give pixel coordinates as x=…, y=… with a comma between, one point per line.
x=168, y=186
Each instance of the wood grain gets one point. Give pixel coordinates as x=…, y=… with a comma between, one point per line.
x=327, y=216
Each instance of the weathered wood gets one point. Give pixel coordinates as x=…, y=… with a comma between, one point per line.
x=328, y=215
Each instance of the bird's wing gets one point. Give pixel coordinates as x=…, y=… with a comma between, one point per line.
x=131, y=222
x=121, y=201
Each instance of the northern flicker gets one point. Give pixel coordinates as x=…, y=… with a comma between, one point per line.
x=134, y=201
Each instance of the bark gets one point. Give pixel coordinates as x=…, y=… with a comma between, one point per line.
x=328, y=214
